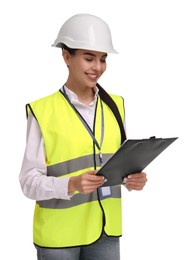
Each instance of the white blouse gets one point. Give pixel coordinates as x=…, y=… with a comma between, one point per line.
x=33, y=178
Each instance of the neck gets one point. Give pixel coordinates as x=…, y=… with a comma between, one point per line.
x=85, y=95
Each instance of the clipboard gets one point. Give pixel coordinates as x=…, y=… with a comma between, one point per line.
x=132, y=157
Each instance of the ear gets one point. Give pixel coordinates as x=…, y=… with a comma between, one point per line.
x=66, y=57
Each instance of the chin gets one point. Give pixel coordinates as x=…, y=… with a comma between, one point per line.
x=91, y=84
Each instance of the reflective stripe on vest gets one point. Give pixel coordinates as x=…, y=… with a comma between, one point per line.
x=69, y=152
x=76, y=200
x=74, y=165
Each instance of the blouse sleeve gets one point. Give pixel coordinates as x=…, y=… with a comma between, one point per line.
x=33, y=177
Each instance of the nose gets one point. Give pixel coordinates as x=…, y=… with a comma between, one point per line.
x=97, y=66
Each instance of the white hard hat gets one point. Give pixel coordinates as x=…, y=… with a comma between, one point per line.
x=85, y=31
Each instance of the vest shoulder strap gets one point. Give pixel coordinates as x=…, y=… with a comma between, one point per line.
x=112, y=105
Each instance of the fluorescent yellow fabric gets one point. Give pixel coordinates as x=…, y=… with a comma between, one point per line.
x=78, y=221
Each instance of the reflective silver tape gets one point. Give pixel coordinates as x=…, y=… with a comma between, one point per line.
x=76, y=200
x=74, y=165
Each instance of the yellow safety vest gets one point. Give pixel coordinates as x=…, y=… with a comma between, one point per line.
x=70, y=151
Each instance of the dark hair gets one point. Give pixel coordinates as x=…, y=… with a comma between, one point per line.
x=70, y=50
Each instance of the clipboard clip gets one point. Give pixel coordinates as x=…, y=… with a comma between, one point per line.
x=154, y=137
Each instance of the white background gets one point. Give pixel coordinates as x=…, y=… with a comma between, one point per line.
x=152, y=72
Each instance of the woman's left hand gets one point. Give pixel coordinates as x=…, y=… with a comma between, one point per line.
x=135, y=181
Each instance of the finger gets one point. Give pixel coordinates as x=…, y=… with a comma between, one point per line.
x=89, y=188
x=95, y=178
x=137, y=175
x=92, y=181
x=92, y=172
x=133, y=183
x=135, y=187
x=97, y=183
x=137, y=179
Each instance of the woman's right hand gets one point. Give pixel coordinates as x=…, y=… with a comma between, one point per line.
x=85, y=183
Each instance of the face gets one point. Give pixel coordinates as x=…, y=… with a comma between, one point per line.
x=85, y=67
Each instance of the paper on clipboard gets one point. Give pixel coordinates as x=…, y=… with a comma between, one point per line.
x=132, y=157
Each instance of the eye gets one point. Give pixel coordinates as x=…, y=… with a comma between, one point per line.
x=88, y=59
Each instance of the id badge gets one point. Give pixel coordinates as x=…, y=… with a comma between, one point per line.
x=105, y=192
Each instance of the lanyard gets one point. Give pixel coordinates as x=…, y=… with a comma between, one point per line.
x=87, y=126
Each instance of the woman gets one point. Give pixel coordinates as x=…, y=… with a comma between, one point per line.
x=70, y=134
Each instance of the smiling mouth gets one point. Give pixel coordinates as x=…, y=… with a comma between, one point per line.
x=92, y=76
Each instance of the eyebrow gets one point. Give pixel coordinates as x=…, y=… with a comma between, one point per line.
x=93, y=55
